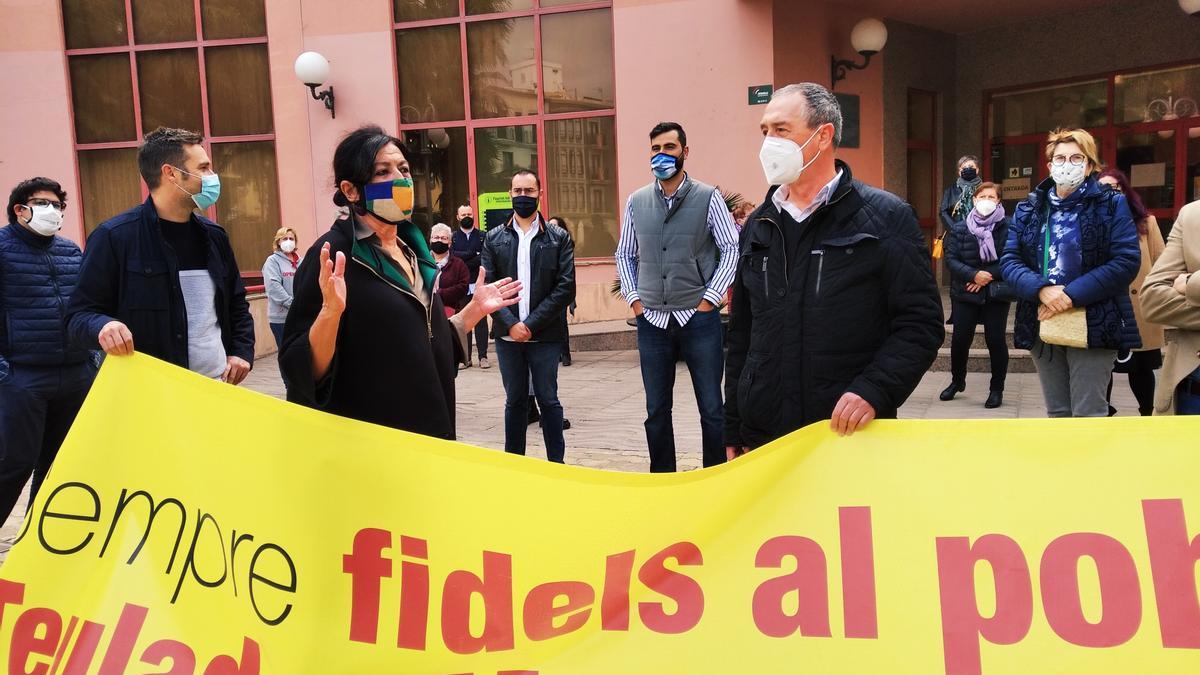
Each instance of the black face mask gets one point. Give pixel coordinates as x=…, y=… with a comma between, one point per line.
x=466, y=223
x=969, y=174
x=525, y=206
x=439, y=247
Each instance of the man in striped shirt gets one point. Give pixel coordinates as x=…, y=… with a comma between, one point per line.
x=676, y=257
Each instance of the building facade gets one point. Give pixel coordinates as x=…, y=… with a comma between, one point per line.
x=570, y=89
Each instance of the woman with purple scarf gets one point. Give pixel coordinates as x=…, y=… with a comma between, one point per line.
x=977, y=292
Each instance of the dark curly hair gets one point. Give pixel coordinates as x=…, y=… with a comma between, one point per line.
x=28, y=188
x=354, y=159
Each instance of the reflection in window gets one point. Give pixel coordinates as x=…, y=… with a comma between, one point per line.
x=1167, y=94
x=169, y=87
x=94, y=23
x=502, y=72
x=163, y=21
x=239, y=90
x=430, y=64
x=593, y=226
x=249, y=204
x=498, y=155
x=1149, y=161
x=233, y=18
x=493, y=6
x=1046, y=108
x=577, y=61
x=438, y=158
x=109, y=184
x=416, y=10
x=102, y=95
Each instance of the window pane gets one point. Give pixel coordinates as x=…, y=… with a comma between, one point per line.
x=439, y=169
x=1009, y=165
x=581, y=162
x=239, y=90
x=109, y=184
x=430, y=64
x=577, y=61
x=493, y=6
x=249, y=204
x=1041, y=110
x=102, y=96
x=169, y=86
x=559, y=3
x=415, y=10
x=1158, y=95
x=502, y=73
x=223, y=19
x=1149, y=161
x=499, y=152
x=163, y=21
x=1193, y=166
x=94, y=23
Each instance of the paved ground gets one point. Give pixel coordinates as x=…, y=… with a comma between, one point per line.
x=602, y=396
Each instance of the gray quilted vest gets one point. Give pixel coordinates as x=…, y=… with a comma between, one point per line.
x=677, y=255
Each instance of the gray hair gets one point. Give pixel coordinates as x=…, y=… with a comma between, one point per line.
x=440, y=227
x=820, y=104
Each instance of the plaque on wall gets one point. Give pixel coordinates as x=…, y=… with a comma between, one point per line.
x=850, y=119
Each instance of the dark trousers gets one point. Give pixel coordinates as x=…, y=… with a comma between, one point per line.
x=700, y=344
x=480, y=335
x=38, y=404
x=521, y=362
x=277, y=331
x=966, y=316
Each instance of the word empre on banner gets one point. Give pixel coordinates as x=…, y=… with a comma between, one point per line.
x=342, y=547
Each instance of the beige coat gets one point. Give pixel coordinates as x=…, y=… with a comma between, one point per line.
x=1180, y=314
x=1152, y=247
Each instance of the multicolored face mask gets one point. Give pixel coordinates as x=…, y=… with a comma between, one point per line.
x=390, y=200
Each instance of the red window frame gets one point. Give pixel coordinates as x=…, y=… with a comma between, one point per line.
x=1107, y=135
x=131, y=49
x=537, y=120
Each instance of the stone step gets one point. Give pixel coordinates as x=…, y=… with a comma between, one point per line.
x=978, y=361
x=979, y=341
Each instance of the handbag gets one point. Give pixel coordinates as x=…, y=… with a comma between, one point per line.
x=1065, y=329
x=937, y=247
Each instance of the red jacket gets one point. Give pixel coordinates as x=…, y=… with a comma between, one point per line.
x=453, y=282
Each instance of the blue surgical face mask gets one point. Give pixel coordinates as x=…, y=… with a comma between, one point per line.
x=210, y=189
x=663, y=166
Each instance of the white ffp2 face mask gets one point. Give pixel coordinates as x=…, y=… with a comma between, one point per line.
x=985, y=207
x=1068, y=176
x=287, y=246
x=45, y=220
x=783, y=160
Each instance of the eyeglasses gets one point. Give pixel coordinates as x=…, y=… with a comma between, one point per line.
x=38, y=201
x=524, y=192
x=1075, y=160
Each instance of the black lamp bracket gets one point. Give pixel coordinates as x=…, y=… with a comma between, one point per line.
x=326, y=96
x=839, y=68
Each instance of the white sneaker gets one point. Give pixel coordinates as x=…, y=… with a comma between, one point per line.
x=483, y=363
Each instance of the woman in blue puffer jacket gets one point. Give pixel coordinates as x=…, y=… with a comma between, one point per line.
x=1073, y=244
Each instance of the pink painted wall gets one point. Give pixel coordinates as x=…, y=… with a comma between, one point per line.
x=35, y=118
x=691, y=61
x=805, y=35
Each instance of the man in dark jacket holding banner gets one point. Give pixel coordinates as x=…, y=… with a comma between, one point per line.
x=836, y=314
x=43, y=379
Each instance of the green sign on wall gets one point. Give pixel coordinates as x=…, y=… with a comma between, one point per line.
x=494, y=209
x=760, y=94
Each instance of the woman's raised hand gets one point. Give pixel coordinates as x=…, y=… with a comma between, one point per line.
x=333, y=281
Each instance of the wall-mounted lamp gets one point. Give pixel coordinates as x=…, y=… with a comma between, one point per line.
x=313, y=69
x=868, y=38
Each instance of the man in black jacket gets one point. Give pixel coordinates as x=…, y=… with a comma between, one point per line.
x=164, y=275
x=466, y=244
x=529, y=335
x=835, y=311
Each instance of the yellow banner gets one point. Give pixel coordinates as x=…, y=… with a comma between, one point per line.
x=191, y=527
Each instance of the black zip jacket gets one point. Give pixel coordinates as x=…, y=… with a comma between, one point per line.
x=853, y=307
x=552, y=288
x=129, y=274
x=964, y=261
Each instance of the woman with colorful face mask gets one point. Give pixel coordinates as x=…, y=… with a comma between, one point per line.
x=977, y=290
x=1139, y=364
x=279, y=271
x=1073, y=245
x=957, y=201
x=367, y=337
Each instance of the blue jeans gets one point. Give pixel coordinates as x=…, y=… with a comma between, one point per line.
x=1187, y=403
x=521, y=362
x=277, y=331
x=700, y=345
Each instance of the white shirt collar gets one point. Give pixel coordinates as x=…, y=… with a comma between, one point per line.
x=779, y=198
